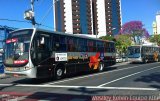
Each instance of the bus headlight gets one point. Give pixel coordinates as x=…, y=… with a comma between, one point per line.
x=26, y=68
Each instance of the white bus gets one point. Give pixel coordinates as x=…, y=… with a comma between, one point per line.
x=143, y=53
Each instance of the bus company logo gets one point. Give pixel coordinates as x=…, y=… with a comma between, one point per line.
x=60, y=56
x=56, y=58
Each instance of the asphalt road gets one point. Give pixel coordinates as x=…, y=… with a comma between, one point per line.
x=125, y=81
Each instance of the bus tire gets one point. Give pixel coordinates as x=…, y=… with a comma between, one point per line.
x=101, y=67
x=59, y=72
x=145, y=60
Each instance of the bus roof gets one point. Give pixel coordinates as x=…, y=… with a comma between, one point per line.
x=63, y=33
x=144, y=45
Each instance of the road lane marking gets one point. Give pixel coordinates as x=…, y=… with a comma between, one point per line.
x=70, y=79
x=88, y=87
x=127, y=76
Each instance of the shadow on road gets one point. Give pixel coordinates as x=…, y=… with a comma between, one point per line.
x=89, y=72
x=56, y=97
x=43, y=96
x=84, y=91
x=32, y=81
x=46, y=80
x=153, y=78
x=76, y=94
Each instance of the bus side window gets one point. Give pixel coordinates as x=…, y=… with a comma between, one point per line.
x=45, y=42
x=56, y=43
x=63, y=45
x=70, y=43
x=81, y=45
x=90, y=45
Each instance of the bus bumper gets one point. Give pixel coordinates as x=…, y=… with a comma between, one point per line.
x=131, y=60
x=31, y=73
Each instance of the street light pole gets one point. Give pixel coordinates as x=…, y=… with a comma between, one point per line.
x=29, y=14
x=33, y=19
x=54, y=14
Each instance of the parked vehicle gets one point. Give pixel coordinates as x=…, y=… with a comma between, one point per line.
x=124, y=58
x=118, y=59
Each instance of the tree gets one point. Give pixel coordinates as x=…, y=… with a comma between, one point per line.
x=108, y=37
x=135, y=30
x=122, y=42
x=155, y=39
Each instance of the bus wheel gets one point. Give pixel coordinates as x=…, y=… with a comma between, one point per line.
x=145, y=60
x=59, y=73
x=100, y=67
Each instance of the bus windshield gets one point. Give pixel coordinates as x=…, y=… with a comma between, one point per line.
x=134, y=51
x=17, y=47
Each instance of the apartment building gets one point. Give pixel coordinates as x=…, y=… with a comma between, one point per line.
x=92, y=17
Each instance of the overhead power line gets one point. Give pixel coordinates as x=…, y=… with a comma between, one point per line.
x=24, y=22
x=46, y=14
x=14, y=20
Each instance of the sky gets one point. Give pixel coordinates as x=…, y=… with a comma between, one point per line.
x=132, y=10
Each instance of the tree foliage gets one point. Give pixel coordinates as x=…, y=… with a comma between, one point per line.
x=122, y=42
x=108, y=37
x=135, y=30
x=155, y=39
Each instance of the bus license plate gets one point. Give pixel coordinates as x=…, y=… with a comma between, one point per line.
x=9, y=69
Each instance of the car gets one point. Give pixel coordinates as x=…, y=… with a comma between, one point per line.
x=119, y=59
x=124, y=58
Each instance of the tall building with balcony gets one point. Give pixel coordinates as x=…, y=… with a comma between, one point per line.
x=92, y=17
